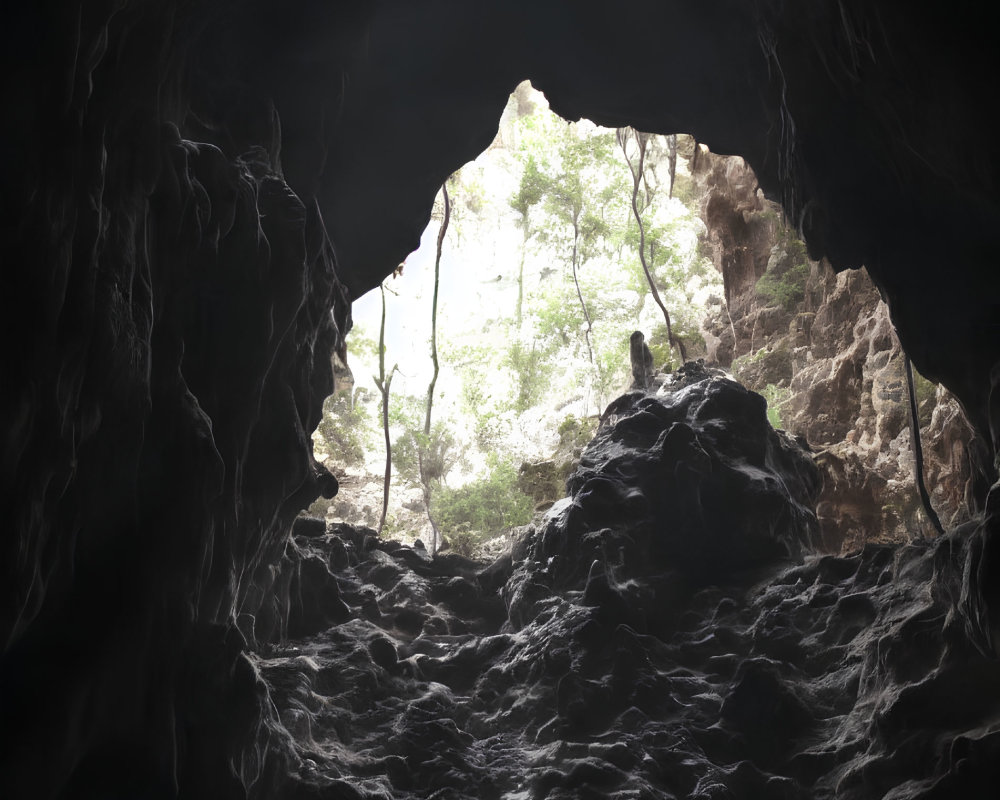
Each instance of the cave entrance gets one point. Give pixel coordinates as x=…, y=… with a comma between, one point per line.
x=541, y=284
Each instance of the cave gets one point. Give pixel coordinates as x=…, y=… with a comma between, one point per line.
x=194, y=194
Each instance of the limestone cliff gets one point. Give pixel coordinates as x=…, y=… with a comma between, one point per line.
x=821, y=347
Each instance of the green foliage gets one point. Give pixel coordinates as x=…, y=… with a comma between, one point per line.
x=776, y=396
x=580, y=191
x=347, y=427
x=530, y=190
x=784, y=283
x=361, y=345
x=345, y=431
x=469, y=200
x=425, y=458
x=556, y=315
x=762, y=367
x=486, y=412
x=575, y=432
x=664, y=354
x=574, y=204
x=490, y=403
x=571, y=202
x=484, y=507
x=530, y=367
x=393, y=527
x=786, y=290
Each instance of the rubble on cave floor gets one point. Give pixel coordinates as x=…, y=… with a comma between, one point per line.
x=666, y=632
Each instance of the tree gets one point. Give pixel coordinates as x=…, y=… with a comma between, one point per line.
x=485, y=506
x=528, y=195
x=430, y=466
x=384, y=381
x=423, y=460
x=578, y=196
x=637, y=167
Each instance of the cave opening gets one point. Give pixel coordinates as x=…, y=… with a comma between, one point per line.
x=196, y=194
x=504, y=334
x=541, y=285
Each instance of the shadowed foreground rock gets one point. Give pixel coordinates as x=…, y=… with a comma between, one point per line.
x=622, y=650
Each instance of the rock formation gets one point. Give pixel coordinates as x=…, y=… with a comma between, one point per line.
x=194, y=193
x=656, y=636
x=822, y=346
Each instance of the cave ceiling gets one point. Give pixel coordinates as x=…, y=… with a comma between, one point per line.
x=867, y=122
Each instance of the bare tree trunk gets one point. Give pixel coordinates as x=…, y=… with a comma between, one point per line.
x=672, y=157
x=425, y=478
x=387, y=479
x=383, y=382
x=434, y=309
x=520, y=279
x=586, y=314
x=637, y=177
x=579, y=294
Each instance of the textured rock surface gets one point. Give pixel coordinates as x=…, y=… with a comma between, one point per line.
x=623, y=650
x=191, y=188
x=834, y=366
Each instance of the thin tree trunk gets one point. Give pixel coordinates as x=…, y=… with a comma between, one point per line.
x=426, y=479
x=383, y=382
x=672, y=157
x=579, y=294
x=520, y=279
x=434, y=309
x=586, y=314
x=387, y=479
x=636, y=180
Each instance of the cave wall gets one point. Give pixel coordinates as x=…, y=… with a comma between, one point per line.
x=194, y=192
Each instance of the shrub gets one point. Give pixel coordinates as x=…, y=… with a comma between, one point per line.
x=776, y=396
x=420, y=457
x=575, y=432
x=531, y=367
x=483, y=507
x=784, y=283
x=785, y=290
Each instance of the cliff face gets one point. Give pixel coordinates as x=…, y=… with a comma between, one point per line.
x=193, y=193
x=821, y=347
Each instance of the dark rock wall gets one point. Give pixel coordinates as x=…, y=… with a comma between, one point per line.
x=169, y=308
x=171, y=295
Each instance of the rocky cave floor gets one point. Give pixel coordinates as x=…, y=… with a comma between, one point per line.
x=666, y=632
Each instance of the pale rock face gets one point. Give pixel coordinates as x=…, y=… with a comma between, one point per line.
x=837, y=360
